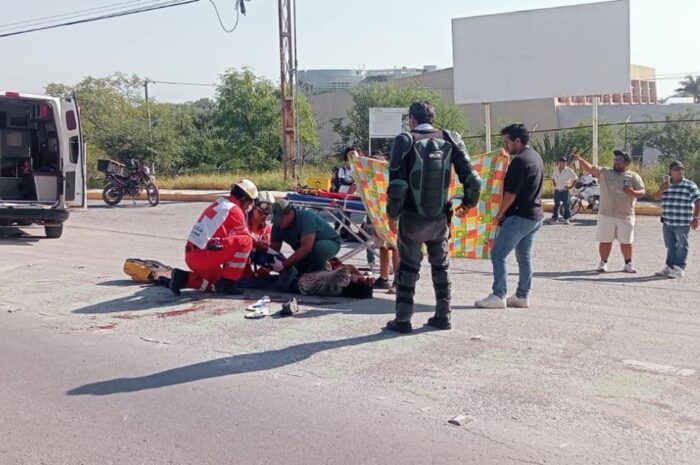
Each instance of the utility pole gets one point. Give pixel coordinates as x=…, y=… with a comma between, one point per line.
x=287, y=20
x=148, y=106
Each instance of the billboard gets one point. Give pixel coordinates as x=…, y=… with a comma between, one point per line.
x=387, y=122
x=546, y=53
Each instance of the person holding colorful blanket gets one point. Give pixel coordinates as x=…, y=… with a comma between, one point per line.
x=419, y=208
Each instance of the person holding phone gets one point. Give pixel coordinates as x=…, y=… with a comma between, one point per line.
x=680, y=211
x=620, y=189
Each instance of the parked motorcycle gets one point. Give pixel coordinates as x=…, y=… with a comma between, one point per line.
x=131, y=183
x=585, y=195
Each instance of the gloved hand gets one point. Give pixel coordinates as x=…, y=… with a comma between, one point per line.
x=215, y=246
x=277, y=265
x=472, y=191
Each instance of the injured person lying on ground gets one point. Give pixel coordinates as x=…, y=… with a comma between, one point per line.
x=228, y=252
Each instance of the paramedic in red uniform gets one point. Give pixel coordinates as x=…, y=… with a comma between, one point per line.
x=260, y=229
x=219, y=244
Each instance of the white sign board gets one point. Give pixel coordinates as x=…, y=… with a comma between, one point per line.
x=387, y=122
x=547, y=53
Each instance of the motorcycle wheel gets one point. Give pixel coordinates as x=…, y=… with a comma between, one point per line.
x=112, y=195
x=152, y=194
x=575, y=206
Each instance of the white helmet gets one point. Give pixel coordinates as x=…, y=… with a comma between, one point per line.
x=249, y=187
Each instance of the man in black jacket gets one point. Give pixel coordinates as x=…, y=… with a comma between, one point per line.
x=420, y=172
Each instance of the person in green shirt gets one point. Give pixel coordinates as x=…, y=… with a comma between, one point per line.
x=314, y=241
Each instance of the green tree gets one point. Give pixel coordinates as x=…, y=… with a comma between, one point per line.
x=354, y=129
x=690, y=87
x=554, y=145
x=249, y=121
x=677, y=137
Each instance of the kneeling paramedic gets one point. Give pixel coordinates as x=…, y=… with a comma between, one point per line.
x=219, y=244
x=314, y=241
x=420, y=172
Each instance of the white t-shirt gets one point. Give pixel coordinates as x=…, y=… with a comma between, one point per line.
x=563, y=178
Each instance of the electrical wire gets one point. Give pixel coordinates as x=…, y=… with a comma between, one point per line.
x=159, y=6
x=218, y=16
x=173, y=83
x=73, y=14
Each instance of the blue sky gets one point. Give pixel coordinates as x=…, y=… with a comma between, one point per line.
x=186, y=43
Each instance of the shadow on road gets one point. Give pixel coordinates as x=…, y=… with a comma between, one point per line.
x=146, y=298
x=15, y=236
x=597, y=277
x=227, y=366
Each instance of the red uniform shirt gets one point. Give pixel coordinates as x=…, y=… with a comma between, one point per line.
x=224, y=217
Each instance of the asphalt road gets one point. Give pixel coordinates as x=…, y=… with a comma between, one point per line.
x=96, y=369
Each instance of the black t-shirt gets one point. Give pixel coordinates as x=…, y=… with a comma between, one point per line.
x=524, y=179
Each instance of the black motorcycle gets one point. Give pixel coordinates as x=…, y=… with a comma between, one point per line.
x=131, y=183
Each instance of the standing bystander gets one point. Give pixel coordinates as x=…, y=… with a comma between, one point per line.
x=619, y=190
x=680, y=211
x=563, y=178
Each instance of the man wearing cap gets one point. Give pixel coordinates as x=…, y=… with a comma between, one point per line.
x=314, y=241
x=219, y=244
x=563, y=178
x=680, y=211
x=620, y=189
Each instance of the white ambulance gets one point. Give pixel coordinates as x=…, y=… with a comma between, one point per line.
x=42, y=161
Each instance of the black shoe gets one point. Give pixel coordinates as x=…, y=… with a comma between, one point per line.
x=228, y=287
x=382, y=283
x=178, y=280
x=289, y=308
x=403, y=327
x=439, y=322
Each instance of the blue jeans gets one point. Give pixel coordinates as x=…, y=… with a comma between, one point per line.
x=676, y=240
x=559, y=198
x=515, y=233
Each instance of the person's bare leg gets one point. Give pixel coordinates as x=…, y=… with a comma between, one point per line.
x=605, y=248
x=626, y=250
x=395, y=258
x=384, y=263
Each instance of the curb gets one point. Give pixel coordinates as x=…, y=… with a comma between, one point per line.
x=180, y=196
x=641, y=210
x=547, y=205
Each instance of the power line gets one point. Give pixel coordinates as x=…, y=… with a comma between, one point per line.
x=218, y=16
x=173, y=83
x=102, y=17
x=74, y=14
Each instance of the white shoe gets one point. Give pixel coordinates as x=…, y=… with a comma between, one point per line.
x=264, y=302
x=260, y=312
x=603, y=266
x=492, y=301
x=665, y=271
x=550, y=221
x=517, y=302
x=567, y=222
x=629, y=268
x=676, y=272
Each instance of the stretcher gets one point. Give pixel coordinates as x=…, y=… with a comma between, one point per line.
x=341, y=210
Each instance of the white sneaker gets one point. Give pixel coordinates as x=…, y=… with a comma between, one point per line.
x=603, y=266
x=665, y=271
x=492, y=301
x=517, y=302
x=676, y=272
x=550, y=221
x=629, y=268
x=567, y=222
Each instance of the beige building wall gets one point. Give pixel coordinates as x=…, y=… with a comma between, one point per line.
x=536, y=114
x=328, y=106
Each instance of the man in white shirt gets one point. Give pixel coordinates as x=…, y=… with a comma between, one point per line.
x=564, y=179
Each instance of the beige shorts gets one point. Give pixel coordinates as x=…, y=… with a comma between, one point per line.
x=611, y=228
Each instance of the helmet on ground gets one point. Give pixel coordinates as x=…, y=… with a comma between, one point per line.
x=249, y=187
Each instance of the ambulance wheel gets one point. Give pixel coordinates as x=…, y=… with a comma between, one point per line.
x=152, y=194
x=53, y=231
